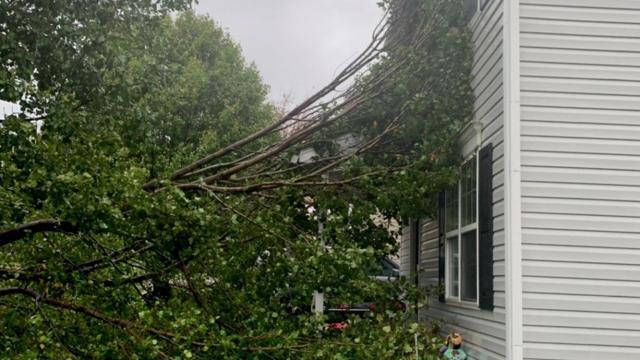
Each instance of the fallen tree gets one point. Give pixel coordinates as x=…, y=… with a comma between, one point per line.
x=107, y=250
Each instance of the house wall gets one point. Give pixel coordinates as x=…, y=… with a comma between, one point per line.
x=580, y=143
x=483, y=331
x=7, y=108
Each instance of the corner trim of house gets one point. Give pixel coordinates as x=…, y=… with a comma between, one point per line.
x=513, y=190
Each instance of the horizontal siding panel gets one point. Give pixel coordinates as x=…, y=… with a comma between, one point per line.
x=486, y=103
x=485, y=46
x=498, y=151
x=578, y=71
x=579, y=319
x=581, y=255
x=498, y=194
x=498, y=223
x=609, y=240
x=429, y=229
x=487, y=100
x=577, y=145
x=621, y=209
x=498, y=238
x=581, y=161
x=492, y=123
x=583, y=303
x=429, y=242
x=544, y=351
x=552, y=41
x=498, y=301
x=579, y=222
x=498, y=208
x=488, y=67
x=498, y=253
x=429, y=255
x=581, y=116
x=579, y=57
x=498, y=164
x=609, y=132
x=579, y=191
x=576, y=336
x=498, y=179
x=498, y=269
x=580, y=176
x=487, y=85
x=580, y=101
x=597, y=4
x=598, y=268
x=581, y=86
x=537, y=11
x=574, y=27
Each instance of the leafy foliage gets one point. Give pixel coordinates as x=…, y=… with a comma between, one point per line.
x=95, y=263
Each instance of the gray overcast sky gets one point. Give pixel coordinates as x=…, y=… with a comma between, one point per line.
x=297, y=44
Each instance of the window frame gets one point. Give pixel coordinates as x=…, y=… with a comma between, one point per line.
x=457, y=234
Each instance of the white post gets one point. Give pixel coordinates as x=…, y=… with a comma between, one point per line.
x=512, y=182
x=321, y=229
x=317, y=306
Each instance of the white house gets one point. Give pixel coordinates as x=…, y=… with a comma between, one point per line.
x=538, y=247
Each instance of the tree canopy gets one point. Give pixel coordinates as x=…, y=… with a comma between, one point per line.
x=157, y=213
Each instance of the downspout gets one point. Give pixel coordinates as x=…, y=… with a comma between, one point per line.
x=512, y=181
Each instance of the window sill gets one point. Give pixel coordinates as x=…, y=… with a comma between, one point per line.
x=461, y=304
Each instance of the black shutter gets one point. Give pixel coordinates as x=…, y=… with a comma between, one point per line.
x=485, y=227
x=441, y=239
x=414, y=246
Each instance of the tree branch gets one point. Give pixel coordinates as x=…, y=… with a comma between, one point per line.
x=125, y=324
x=38, y=226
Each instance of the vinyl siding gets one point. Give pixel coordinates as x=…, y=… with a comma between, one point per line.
x=405, y=252
x=483, y=331
x=580, y=98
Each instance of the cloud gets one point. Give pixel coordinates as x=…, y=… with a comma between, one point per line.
x=298, y=45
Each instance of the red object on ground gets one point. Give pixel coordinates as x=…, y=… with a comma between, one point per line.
x=338, y=326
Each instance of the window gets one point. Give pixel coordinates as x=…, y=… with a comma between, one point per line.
x=461, y=232
x=473, y=6
x=465, y=235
